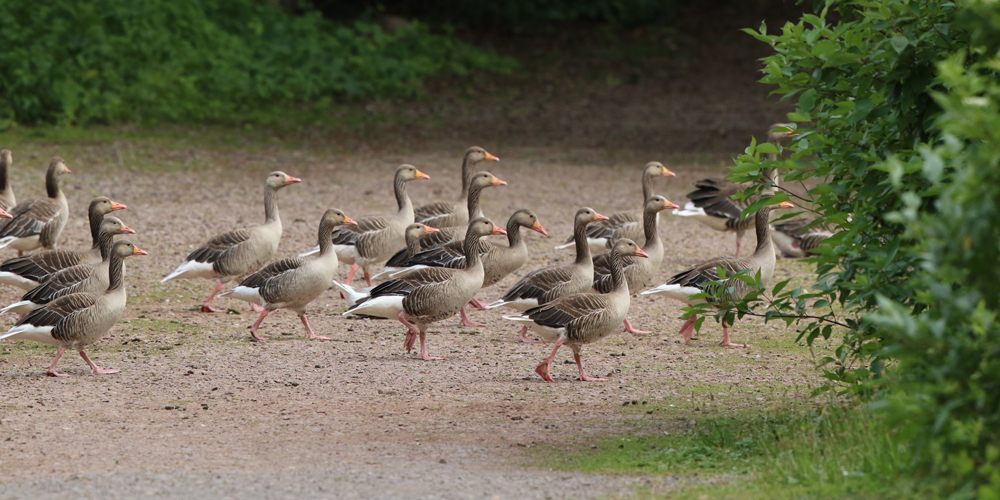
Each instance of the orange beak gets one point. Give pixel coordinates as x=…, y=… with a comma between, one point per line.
x=5, y=215
x=289, y=180
x=668, y=173
x=349, y=221
x=139, y=251
x=538, y=227
x=786, y=204
x=68, y=171
x=490, y=157
x=498, y=182
x=429, y=230
x=127, y=230
x=497, y=230
x=421, y=175
x=640, y=253
x=668, y=204
x=599, y=217
x=115, y=206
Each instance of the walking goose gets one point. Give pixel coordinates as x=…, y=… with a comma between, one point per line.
x=414, y=233
x=498, y=260
x=293, y=283
x=77, y=320
x=430, y=294
x=794, y=240
x=695, y=280
x=90, y=278
x=549, y=283
x=638, y=272
x=7, y=199
x=38, y=223
x=443, y=214
x=240, y=252
x=28, y=271
x=583, y=318
x=712, y=203
x=601, y=235
x=375, y=239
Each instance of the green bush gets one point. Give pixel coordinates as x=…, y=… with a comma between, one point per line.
x=126, y=60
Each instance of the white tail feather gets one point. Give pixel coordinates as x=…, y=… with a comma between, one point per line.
x=21, y=282
x=191, y=269
x=387, y=306
x=22, y=307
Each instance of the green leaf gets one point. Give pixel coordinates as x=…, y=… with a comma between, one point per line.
x=899, y=43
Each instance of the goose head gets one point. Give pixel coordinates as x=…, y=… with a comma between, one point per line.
x=658, y=203
x=103, y=205
x=278, y=180
x=586, y=215
x=114, y=225
x=485, y=179
x=627, y=248
x=476, y=154
x=656, y=169
x=58, y=166
x=125, y=248
x=416, y=231
x=407, y=173
x=335, y=217
x=527, y=218
x=484, y=227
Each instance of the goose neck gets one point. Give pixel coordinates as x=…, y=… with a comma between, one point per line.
x=52, y=184
x=402, y=199
x=96, y=219
x=270, y=204
x=582, y=245
x=116, y=272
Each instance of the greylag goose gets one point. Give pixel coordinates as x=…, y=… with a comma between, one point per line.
x=456, y=235
x=549, y=283
x=375, y=239
x=38, y=223
x=77, y=320
x=712, y=203
x=293, y=283
x=414, y=233
x=601, y=235
x=430, y=294
x=90, y=278
x=693, y=281
x=583, y=318
x=794, y=240
x=240, y=252
x=28, y=271
x=443, y=214
x=498, y=260
x=7, y=199
x=638, y=272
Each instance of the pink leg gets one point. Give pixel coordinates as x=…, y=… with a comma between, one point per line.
x=368, y=278
x=545, y=366
x=254, y=307
x=524, y=336
x=256, y=324
x=20, y=253
x=725, y=338
x=477, y=304
x=583, y=373
x=629, y=328
x=51, y=371
x=206, y=307
x=93, y=366
x=312, y=335
x=350, y=275
x=423, y=349
x=466, y=322
x=688, y=328
x=411, y=331
x=739, y=239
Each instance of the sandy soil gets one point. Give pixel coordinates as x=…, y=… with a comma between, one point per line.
x=199, y=410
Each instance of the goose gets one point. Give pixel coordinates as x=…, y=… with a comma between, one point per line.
x=7, y=199
x=696, y=279
x=794, y=240
x=583, y=318
x=240, y=252
x=91, y=278
x=548, y=283
x=712, y=203
x=638, y=272
x=375, y=239
x=498, y=260
x=431, y=294
x=28, y=271
x=38, y=223
x=293, y=283
x=443, y=214
x=414, y=233
x=601, y=235
x=77, y=320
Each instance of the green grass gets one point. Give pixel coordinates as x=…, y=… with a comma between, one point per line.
x=839, y=453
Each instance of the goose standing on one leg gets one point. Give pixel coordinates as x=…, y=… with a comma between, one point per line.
x=583, y=318
x=694, y=280
x=443, y=214
x=240, y=252
x=77, y=320
x=549, y=283
x=38, y=223
x=430, y=294
x=293, y=283
x=638, y=272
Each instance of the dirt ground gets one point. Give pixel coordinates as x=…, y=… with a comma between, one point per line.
x=199, y=410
